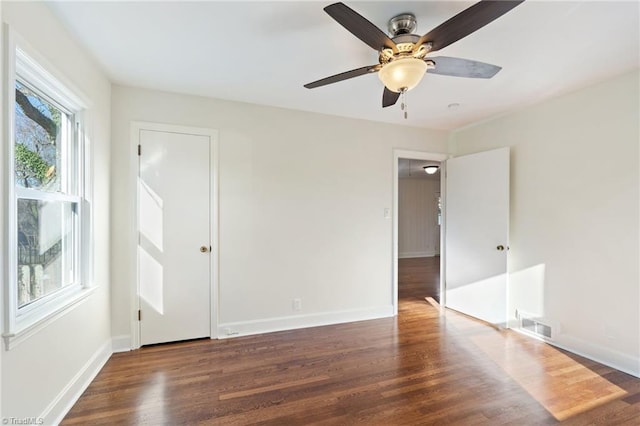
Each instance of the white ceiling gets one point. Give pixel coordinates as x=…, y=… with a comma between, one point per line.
x=263, y=53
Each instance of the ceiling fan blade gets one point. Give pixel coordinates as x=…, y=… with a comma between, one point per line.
x=389, y=98
x=360, y=27
x=343, y=76
x=466, y=22
x=458, y=67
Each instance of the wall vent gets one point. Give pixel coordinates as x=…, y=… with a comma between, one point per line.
x=535, y=325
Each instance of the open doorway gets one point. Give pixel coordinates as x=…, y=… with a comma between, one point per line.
x=418, y=224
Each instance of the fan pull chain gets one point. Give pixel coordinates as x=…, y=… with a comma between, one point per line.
x=403, y=103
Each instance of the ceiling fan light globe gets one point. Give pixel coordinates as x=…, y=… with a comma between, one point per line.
x=402, y=74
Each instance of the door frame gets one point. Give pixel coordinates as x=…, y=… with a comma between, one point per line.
x=427, y=156
x=135, y=128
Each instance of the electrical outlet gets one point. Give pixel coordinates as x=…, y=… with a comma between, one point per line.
x=297, y=304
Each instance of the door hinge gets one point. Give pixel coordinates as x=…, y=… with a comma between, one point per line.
x=139, y=150
x=139, y=315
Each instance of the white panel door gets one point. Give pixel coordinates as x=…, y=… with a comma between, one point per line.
x=477, y=231
x=174, y=230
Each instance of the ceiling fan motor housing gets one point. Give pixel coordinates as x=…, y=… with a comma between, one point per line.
x=405, y=23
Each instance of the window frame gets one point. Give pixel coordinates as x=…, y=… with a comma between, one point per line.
x=25, y=65
x=71, y=157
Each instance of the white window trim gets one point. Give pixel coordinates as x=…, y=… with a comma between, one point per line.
x=20, y=324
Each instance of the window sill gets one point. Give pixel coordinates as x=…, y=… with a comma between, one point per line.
x=40, y=318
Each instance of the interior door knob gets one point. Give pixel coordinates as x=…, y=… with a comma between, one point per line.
x=204, y=249
x=500, y=248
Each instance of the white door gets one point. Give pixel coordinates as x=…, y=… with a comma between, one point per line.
x=477, y=230
x=174, y=236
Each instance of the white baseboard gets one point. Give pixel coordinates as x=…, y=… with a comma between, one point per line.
x=411, y=254
x=121, y=343
x=60, y=406
x=246, y=328
x=604, y=355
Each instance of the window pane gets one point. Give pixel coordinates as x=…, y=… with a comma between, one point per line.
x=45, y=247
x=38, y=141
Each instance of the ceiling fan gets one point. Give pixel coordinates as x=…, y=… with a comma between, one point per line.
x=403, y=57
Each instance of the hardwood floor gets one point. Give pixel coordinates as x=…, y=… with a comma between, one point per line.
x=426, y=366
x=419, y=277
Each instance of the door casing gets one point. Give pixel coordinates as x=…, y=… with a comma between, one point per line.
x=136, y=127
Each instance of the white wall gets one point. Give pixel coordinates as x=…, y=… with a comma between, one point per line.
x=574, y=215
x=418, y=229
x=302, y=199
x=40, y=376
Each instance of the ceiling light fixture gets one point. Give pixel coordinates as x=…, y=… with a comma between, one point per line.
x=431, y=169
x=402, y=74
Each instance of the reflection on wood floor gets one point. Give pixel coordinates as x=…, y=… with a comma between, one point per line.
x=427, y=366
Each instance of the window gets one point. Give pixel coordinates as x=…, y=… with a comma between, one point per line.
x=48, y=218
x=45, y=161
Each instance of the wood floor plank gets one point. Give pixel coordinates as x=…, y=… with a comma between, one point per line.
x=275, y=386
x=426, y=366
